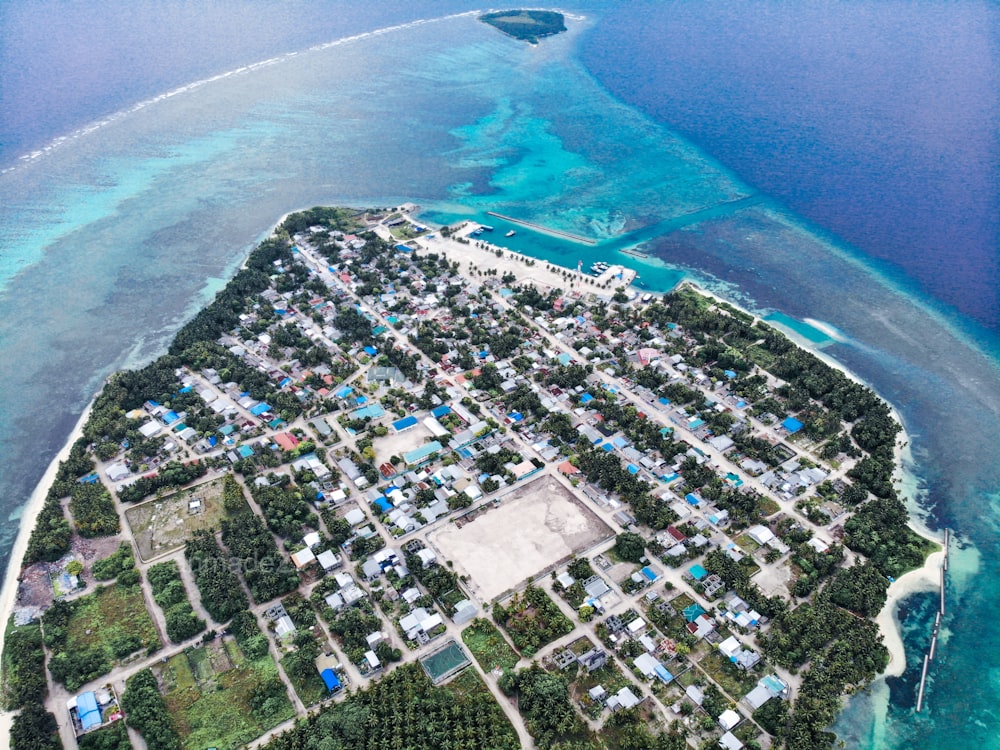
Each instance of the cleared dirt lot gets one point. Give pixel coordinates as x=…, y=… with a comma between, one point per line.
x=161, y=525
x=533, y=528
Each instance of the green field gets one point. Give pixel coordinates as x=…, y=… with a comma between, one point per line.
x=217, y=698
x=89, y=635
x=488, y=646
x=310, y=689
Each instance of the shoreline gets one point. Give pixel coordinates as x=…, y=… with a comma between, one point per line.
x=924, y=578
x=8, y=594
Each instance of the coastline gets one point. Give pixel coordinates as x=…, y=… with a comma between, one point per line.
x=921, y=579
x=924, y=578
x=8, y=594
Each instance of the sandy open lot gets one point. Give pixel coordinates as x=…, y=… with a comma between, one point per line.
x=163, y=524
x=535, y=526
x=398, y=443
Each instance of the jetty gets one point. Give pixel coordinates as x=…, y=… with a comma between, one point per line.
x=936, y=630
x=545, y=230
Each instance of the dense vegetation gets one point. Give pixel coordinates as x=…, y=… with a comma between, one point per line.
x=266, y=571
x=118, y=562
x=251, y=640
x=527, y=25
x=173, y=474
x=222, y=596
x=86, y=636
x=532, y=619
x=23, y=667
x=403, y=710
x=111, y=737
x=543, y=699
x=285, y=508
x=34, y=728
x=93, y=510
x=878, y=531
x=51, y=536
x=170, y=595
x=146, y=711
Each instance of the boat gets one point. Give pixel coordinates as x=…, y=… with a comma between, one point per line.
x=511, y=233
x=486, y=227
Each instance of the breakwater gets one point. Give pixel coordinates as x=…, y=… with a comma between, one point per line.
x=936, y=630
x=547, y=230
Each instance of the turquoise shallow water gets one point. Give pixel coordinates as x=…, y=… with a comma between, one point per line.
x=114, y=239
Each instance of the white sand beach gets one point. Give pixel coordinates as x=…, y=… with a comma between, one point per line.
x=8, y=595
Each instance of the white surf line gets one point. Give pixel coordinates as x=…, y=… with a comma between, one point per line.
x=93, y=127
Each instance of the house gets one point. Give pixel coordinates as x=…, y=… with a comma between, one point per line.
x=646, y=664
x=284, y=626
x=624, y=698
x=733, y=650
x=355, y=516
x=729, y=741
x=328, y=560
x=757, y=697
x=729, y=719
x=331, y=680
x=419, y=623
x=696, y=694
x=760, y=534
x=598, y=694
x=593, y=659
x=302, y=558
x=85, y=710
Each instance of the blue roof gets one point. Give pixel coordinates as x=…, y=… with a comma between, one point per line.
x=632, y=469
x=186, y=389
x=607, y=447
x=729, y=374
x=419, y=454
x=515, y=416
x=383, y=504
x=664, y=400
x=343, y=392
x=260, y=409
x=87, y=710
x=284, y=382
x=406, y=422
x=669, y=477
x=663, y=673
x=440, y=411
x=330, y=679
x=694, y=424
x=246, y=451
x=620, y=442
x=693, y=499
x=404, y=249
x=698, y=572
x=649, y=573
x=564, y=358
x=170, y=417
x=372, y=411
x=360, y=400
x=693, y=611
x=792, y=425
x=586, y=398
x=371, y=351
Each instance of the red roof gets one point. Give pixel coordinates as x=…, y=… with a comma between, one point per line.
x=568, y=469
x=286, y=441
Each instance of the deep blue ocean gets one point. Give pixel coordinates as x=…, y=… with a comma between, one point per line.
x=831, y=165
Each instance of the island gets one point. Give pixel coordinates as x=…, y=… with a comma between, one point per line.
x=526, y=25
x=399, y=486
